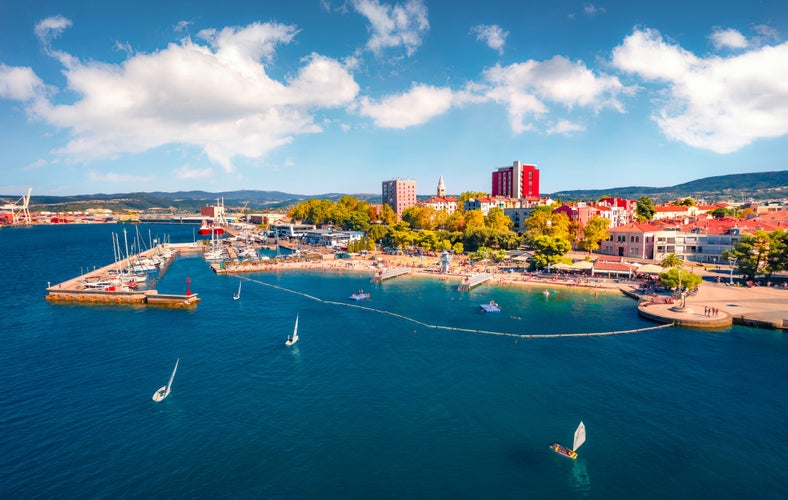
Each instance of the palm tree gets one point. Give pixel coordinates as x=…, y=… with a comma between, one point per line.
x=672, y=260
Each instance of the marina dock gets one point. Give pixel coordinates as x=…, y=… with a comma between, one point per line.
x=390, y=273
x=473, y=280
x=77, y=290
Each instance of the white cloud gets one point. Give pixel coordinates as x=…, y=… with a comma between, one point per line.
x=50, y=28
x=645, y=52
x=565, y=127
x=720, y=104
x=728, y=38
x=591, y=9
x=20, y=84
x=36, y=165
x=217, y=97
x=527, y=89
x=186, y=172
x=394, y=26
x=182, y=26
x=494, y=36
x=417, y=106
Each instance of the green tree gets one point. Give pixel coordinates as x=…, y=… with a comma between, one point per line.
x=467, y=196
x=751, y=253
x=474, y=219
x=644, y=209
x=496, y=219
x=420, y=217
x=377, y=232
x=545, y=223
x=594, y=233
x=672, y=260
x=549, y=250
x=720, y=212
x=676, y=276
x=458, y=248
x=686, y=202
x=778, y=252
x=387, y=215
x=357, y=221
x=456, y=221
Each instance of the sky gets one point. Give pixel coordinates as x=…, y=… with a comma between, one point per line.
x=335, y=96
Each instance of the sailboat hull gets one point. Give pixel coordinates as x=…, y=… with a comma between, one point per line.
x=563, y=450
x=161, y=394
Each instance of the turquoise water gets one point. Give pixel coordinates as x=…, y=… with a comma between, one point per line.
x=367, y=405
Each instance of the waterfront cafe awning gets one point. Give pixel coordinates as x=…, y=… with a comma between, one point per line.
x=612, y=268
x=650, y=269
x=582, y=265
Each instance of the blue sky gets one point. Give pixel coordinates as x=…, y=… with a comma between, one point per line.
x=319, y=96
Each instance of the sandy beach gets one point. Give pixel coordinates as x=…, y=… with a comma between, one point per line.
x=756, y=306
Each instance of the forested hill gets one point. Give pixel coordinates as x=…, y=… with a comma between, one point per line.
x=735, y=187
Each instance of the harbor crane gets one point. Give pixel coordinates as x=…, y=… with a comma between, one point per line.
x=19, y=210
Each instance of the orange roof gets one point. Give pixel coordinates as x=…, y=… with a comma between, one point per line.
x=635, y=227
x=670, y=208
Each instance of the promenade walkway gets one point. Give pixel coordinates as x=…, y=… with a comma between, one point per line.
x=765, y=307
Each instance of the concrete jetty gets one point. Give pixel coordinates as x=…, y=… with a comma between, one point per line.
x=473, y=280
x=76, y=291
x=390, y=273
x=718, y=306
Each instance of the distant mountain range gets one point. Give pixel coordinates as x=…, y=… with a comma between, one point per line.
x=735, y=187
x=757, y=186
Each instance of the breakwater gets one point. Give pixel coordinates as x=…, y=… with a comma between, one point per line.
x=113, y=284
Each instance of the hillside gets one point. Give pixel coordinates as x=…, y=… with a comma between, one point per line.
x=735, y=187
x=756, y=186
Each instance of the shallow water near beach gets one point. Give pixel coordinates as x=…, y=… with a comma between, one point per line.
x=368, y=404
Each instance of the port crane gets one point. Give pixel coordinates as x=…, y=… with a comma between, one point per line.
x=19, y=210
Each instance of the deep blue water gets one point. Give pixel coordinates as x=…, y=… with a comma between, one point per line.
x=368, y=405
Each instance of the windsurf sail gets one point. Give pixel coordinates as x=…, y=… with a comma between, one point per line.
x=580, y=436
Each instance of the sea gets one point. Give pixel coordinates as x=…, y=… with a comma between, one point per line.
x=373, y=401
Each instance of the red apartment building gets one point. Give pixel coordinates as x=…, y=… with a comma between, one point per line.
x=516, y=181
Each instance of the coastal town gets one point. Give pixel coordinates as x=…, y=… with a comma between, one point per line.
x=635, y=247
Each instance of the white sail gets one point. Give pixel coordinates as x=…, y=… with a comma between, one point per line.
x=292, y=340
x=169, y=384
x=580, y=436
x=164, y=391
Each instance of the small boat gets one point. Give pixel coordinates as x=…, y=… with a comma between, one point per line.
x=546, y=293
x=361, y=295
x=580, y=438
x=491, y=307
x=163, y=392
x=292, y=340
x=238, y=293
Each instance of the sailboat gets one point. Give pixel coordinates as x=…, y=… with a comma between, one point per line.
x=580, y=438
x=163, y=392
x=292, y=340
x=238, y=293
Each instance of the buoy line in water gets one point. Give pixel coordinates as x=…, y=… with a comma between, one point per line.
x=454, y=328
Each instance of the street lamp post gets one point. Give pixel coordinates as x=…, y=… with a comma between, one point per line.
x=732, y=262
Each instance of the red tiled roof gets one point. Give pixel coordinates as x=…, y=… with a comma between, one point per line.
x=635, y=227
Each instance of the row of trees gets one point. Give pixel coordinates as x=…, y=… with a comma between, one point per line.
x=761, y=253
x=551, y=236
